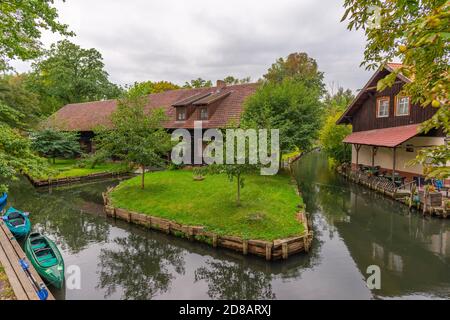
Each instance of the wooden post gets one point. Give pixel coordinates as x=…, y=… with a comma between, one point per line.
x=268, y=251
x=393, y=163
x=374, y=152
x=284, y=250
x=357, y=147
x=245, y=247
x=214, y=240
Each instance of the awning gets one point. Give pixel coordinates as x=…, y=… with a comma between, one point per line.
x=388, y=137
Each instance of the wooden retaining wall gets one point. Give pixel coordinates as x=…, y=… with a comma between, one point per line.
x=270, y=250
x=10, y=253
x=63, y=181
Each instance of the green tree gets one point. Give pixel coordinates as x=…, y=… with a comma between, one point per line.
x=21, y=25
x=17, y=157
x=290, y=106
x=18, y=106
x=70, y=74
x=416, y=33
x=338, y=101
x=53, y=143
x=148, y=87
x=198, y=83
x=138, y=137
x=230, y=80
x=297, y=66
x=331, y=134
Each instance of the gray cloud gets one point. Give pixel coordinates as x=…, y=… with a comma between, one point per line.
x=179, y=40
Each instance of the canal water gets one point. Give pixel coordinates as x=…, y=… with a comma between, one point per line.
x=354, y=228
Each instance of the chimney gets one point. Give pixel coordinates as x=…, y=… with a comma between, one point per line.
x=220, y=85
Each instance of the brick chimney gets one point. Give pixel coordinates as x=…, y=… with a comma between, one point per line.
x=220, y=85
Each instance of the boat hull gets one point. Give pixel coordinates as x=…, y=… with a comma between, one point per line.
x=52, y=273
x=18, y=230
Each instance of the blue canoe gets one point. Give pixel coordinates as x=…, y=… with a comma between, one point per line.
x=17, y=222
x=3, y=200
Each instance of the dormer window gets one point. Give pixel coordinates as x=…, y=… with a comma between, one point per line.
x=402, y=106
x=383, y=107
x=181, y=113
x=203, y=113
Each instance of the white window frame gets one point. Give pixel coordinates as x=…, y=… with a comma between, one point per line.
x=206, y=110
x=379, y=101
x=179, y=113
x=397, y=107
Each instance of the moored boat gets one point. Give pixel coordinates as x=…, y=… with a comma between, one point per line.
x=46, y=258
x=17, y=222
x=3, y=200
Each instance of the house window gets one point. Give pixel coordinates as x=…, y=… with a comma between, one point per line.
x=181, y=114
x=383, y=107
x=402, y=107
x=204, y=113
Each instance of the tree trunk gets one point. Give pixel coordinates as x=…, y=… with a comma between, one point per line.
x=54, y=160
x=239, y=190
x=143, y=177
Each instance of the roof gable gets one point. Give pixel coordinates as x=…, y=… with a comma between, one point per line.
x=371, y=85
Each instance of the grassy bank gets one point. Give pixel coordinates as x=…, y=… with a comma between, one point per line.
x=6, y=293
x=267, y=211
x=66, y=168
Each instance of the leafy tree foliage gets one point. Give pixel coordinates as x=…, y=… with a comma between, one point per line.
x=53, y=143
x=21, y=25
x=16, y=157
x=139, y=137
x=230, y=80
x=18, y=107
x=338, y=101
x=70, y=74
x=416, y=33
x=148, y=87
x=291, y=106
x=198, y=83
x=297, y=66
x=331, y=134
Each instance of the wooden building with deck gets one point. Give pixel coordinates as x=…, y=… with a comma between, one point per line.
x=386, y=128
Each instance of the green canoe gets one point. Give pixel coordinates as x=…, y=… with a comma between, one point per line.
x=46, y=258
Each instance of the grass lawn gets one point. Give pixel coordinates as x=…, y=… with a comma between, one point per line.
x=267, y=211
x=66, y=168
x=6, y=293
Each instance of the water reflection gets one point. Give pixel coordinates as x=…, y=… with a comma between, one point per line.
x=353, y=227
x=234, y=281
x=60, y=214
x=412, y=252
x=141, y=267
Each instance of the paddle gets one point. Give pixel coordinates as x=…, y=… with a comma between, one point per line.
x=41, y=290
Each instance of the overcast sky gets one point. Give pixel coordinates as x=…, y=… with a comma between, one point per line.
x=178, y=40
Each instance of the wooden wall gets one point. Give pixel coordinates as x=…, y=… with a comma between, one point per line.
x=365, y=118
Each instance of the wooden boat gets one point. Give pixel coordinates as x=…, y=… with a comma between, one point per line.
x=3, y=201
x=46, y=258
x=17, y=222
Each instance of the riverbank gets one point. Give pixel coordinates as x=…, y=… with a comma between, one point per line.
x=269, y=222
x=69, y=171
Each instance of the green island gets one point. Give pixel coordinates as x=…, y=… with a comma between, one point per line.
x=268, y=210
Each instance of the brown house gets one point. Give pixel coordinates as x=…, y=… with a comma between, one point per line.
x=215, y=107
x=386, y=127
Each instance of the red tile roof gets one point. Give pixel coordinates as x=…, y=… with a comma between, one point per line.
x=388, y=137
x=395, y=65
x=89, y=115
